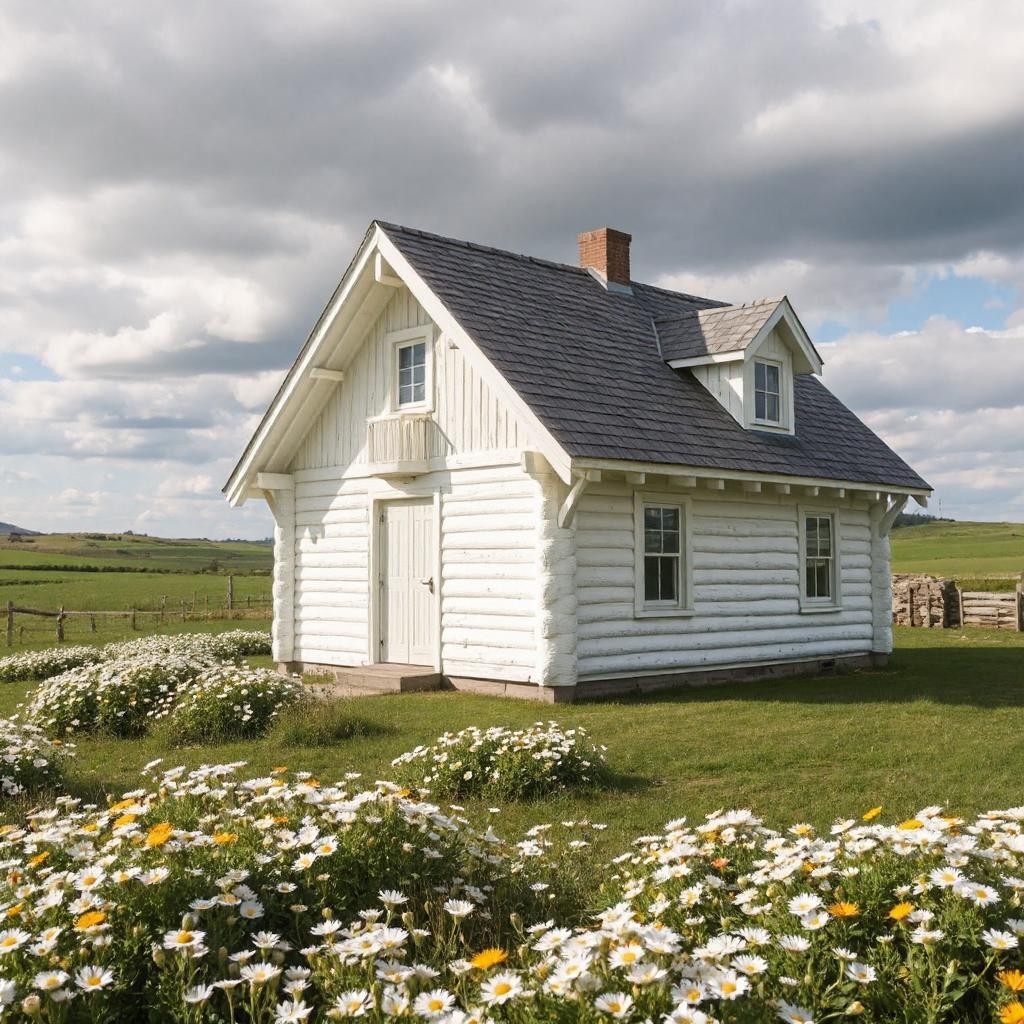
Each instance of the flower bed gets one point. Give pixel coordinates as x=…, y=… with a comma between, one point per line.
x=28, y=760
x=229, y=646
x=281, y=899
x=506, y=763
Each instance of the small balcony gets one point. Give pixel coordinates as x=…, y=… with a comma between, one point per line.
x=403, y=445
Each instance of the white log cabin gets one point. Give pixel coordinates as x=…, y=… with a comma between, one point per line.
x=494, y=472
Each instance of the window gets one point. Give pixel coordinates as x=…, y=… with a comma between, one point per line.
x=767, y=392
x=819, y=558
x=661, y=554
x=412, y=374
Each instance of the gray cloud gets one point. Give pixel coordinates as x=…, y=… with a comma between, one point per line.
x=181, y=185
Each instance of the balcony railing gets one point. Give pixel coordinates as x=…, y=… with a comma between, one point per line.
x=404, y=444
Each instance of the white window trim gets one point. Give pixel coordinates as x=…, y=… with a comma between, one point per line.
x=684, y=606
x=784, y=425
x=781, y=421
x=812, y=605
x=397, y=340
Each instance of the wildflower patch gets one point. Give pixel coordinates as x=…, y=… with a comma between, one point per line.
x=506, y=763
x=282, y=899
x=28, y=760
x=228, y=646
x=142, y=682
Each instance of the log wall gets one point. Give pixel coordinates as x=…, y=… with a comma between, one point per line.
x=746, y=582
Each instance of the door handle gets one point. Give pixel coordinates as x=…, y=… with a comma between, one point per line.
x=428, y=583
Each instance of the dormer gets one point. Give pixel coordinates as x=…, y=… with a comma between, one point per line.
x=746, y=356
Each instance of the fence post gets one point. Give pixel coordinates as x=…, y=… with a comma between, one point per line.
x=1018, y=607
x=10, y=623
x=92, y=623
x=60, y=623
x=910, y=605
x=133, y=618
x=960, y=605
x=231, y=592
x=183, y=609
x=163, y=606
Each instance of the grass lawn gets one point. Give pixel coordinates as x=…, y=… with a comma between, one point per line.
x=941, y=724
x=981, y=556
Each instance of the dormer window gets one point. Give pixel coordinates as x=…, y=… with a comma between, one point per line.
x=767, y=391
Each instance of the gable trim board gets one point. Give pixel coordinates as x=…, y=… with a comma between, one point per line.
x=276, y=426
x=537, y=545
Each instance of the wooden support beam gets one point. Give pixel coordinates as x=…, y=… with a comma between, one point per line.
x=889, y=516
x=812, y=492
x=839, y=492
x=322, y=373
x=682, y=481
x=715, y=484
x=782, y=488
x=922, y=500
x=752, y=486
x=567, y=513
x=275, y=481
x=383, y=274
x=636, y=478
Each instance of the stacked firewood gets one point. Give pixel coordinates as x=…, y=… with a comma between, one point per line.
x=919, y=600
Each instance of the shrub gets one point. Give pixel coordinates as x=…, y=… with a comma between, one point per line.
x=28, y=760
x=321, y=722
x=507, y=763
x=231, y=703
x=239, y=643
x=119, y=698
x=44, y=664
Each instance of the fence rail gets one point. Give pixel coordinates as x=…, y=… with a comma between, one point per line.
x=196, y=609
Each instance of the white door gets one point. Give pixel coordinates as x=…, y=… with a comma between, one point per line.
x=407, y=561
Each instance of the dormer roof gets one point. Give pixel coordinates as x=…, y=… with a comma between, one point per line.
x=724, y=333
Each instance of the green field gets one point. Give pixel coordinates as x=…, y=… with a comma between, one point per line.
x=113, y=572
x=135, y=552
x=940, y=725
x=986, y=556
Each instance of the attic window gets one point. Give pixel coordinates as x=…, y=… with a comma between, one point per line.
x=767, y=391
x=412, y=374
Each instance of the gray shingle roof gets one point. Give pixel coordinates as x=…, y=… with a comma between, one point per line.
x=704, y=332
x=586, y=361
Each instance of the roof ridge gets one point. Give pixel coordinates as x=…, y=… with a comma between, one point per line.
x=539, y=260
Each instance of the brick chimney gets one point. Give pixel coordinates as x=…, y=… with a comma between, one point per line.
x=606, y=251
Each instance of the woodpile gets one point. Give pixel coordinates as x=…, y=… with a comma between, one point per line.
x=929, y=601
x=932, y=601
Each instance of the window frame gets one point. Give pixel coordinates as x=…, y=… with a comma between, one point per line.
x=780, y=394
x=397, y=341
x=683, y=605
x=833, y=602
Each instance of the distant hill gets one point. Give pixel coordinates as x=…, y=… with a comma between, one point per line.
x=6, y=528
x=132, y=552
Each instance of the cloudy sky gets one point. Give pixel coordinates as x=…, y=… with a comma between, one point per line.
x=182, y=184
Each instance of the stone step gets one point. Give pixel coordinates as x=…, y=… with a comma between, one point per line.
x=371, y=679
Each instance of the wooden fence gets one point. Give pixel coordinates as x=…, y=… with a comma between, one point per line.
x=196, y=609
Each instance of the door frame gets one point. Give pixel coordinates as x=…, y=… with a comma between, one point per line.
x=377, y=501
